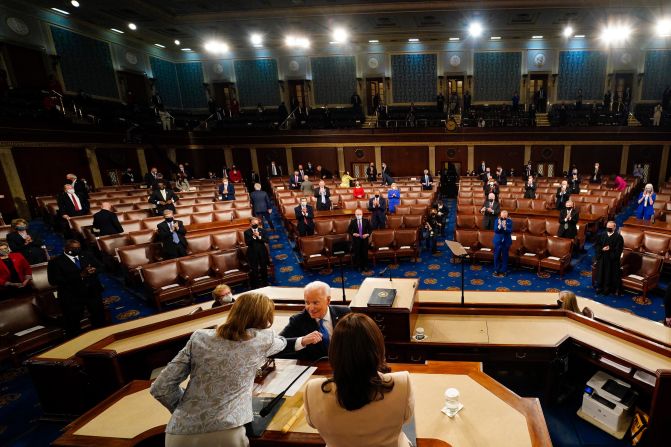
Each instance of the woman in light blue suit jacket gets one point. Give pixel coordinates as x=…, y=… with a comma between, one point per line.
x=394, y=197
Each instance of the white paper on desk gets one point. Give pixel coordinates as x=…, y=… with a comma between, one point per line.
x=277, y=381
x=28, y=331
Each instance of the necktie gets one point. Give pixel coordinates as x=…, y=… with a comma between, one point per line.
x=175, y=236
x=323, y=194
x=78, y=263
x=74, y=200
x=274, y=170
x=326, y=338
x=360, y=227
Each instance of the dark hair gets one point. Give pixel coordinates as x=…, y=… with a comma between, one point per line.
x=356, y=354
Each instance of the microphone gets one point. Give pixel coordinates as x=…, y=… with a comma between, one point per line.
x=270, y=405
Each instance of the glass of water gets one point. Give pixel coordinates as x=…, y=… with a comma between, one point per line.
x=451, y=401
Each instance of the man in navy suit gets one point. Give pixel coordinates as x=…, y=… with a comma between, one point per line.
x=309, y=333
x=503, y=227
x=305, y=218
x=378, y=207
x=226, y=190
x=261, y=205
x=295, y=180
x=427, y=180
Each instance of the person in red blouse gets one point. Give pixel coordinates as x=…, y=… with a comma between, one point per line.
x=235, y=175
x=15, y=272
x=358, y=191
x=620, y=183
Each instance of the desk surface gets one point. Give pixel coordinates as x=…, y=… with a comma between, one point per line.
x=132, y=414
x=662, y=227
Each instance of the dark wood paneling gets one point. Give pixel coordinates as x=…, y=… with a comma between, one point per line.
x=403, y=161
x=505, y=156
x=646, y=155
x=43, y=170
x=453, y=154
x=157, y=157
x=608, y=158
x=265, y=155
x=547, y=154
x=26, y=66
x=203, y=160
x=242, y=159
x=7, y=207
x=325, y=156
x=350, y=154
x=117, y=158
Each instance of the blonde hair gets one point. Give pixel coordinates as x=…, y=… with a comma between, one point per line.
x=219, y=289
x=569, y=301
x=250, y=311
x=19, y=221
x=649, y=187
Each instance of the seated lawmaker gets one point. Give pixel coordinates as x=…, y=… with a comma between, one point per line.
x=226, y=190
x=363, y=404
x=309, y=333
x=171, y=234
x=105, y=222
x=15, y=272
x=222, y=295
x=27, y=243
x=295, y=181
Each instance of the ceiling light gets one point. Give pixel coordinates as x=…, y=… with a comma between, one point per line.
x=340, y=35
x=159, y=45
x=301, y=42
x=257, y=40
x=615, y=33
x=177, y=42
x=568, y=31
x=495, y=38
x=579, y=36
x=185, y=49
x=117, y=30
x=61, y=11
x=536, y=37
x=216, y=47
x=663, y=27
x=475, y=29
x=374, y=41
x=454, y=39
x=132, y=26
x=413, y=39
x=75, y=3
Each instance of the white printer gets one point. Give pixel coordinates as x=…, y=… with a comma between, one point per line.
x=608, y=403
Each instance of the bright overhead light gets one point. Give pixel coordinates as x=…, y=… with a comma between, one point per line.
x=216, y=47
x=475, y=29
x=159, y=45
x=257, y=40
x=615, y=33
x=568, y=31
x=185, y=49
x=413, y=39
x=117, y=30
x=300, y=42
x=663, y=28
x=536, y=37
x=495, y=38
x=61, y=11
x=579, y=36
x=75, y=3
x=132, y=26
x=373, y=41
x=340, y=35
x=177, y=42
x=454, y=39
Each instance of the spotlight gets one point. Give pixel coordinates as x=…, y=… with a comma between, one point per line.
x=132, y=26
x=185, y=49
x=61, y=11
x=159, y=45
x=75, y=3
x=300, y=42
x=374, y=41
x=177, y=42
x=475, y=29
x=216, y=47
x=579, y=36
x=454, y=39
x=495, y=38
x=413, y=39
x=663, y=28
x=116, y=30
x=340, y=35
x=536, y=37
x=615, y=33
x=568, y=31
x=257, y=40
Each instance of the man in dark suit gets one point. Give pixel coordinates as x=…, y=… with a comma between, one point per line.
x=568, y=221
x=261, y=205
x=322, y=172
x=427, y=181
x=171, y=234
x=490, y=210
x=80, y=186
x=360, y=229
x=71, y=204
x=500, y=176
x=305, y=218
x=254, y=177
x=226, y=190
x=128, y=177
x=562, y=195
x=163, y=198
x=105, y=222
x=529, y=170
x=378, y=207
x=75, y=275
x=323, y=196
x=309, y=333
x=574, y=184
x=257, y=254
x=371, y=172
x=151, y=178
x=301, y=172
x=596, y=175
x=481, y=169
x=295, y=180
x=310, y=170
x=387, y=178
x=503, y=228
x=274, y=170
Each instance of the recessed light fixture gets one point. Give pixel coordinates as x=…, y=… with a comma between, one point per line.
x=579, y=36
x=373, y=41
x=216, y=47
x=60, y=11
x=177, y=42
x=475, y=29
x=413, y=39
x=293, y=41
x=568, y=31
x=132, y=26
x=495, y=38
x=159, y=45
x=256, y=39
x=663, y=28
x=75, y=3
x=185, y=49
x=536, y=37
x=340, y=35
x=454, y=39
x=117, y=30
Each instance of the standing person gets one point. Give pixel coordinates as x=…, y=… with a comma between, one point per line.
x=387, y=178
x=182, y=183
x=638, y=172
x=305, y=218
x=323, y=196
x=440, y=102
x=393, y=197
x=442, y=213
x=307, y=188
x=105, y=222
x=432, y=226
x=427, y=181
x=235, y=175
x=503, y=229
x=363, y=404
x=562, y=195
x=163, y=198
x=22, y=241
x=71, y=204
x=491, y=187
x=500, y=176
x=128, y=177
x=574, y=183
x=358, y=191
x=301, y=171
x=568, y=221
x=226, y=190
x=171, y=234
x=346, y=180
x=452, y=180
x=529, y=170
x=596, y=175
x=360, y=229
x=80, y=185
x=515, y=101
x=530, y=188
x=657, y=115
x=75, y=276
x=15, y=272
x=295, y=181
x=377, y=205
x=221, y=364
x=257, y=254
x=578, y=100
x=609, y=246
x=467, y=102
x=646, y=200
x=371, y=172
x=274, y=170
x=261, y=205
x=151, y=178
x=490, y=209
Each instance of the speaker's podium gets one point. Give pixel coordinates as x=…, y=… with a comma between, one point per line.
x=395, y=321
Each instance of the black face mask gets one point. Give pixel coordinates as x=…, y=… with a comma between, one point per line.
x=169, y=219
x=255, y=226
x=74, y=252
x=377, y=196
x=610, y=231
x=569, y=207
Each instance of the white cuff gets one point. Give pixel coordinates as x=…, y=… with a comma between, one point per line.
x=299, y=344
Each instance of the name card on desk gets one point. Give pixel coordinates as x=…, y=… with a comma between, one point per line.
x=485, y=249
x=383, y=248
x=637, y=277
x=231, y=271
x=529, y=254
x=553, y=258
x=170, y=286
x=28, y=331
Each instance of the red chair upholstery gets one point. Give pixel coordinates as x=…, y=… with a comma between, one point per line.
x=467, y=238
x=323, y=227
x=163, y=282
x=313, y=251
x=558, y=255
x=196, y=273
x=466, y=221
x=340, y=226
x=536, y=226
x=412, y=221
x=395, y=222
x=228, y=268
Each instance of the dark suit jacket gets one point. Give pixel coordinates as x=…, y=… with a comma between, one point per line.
x=67, y=208
x=164, y=234
x=302, y=324
x=319, y=197
x=595, y=178
x=106, y=222
x=496, y=208
x=150, y=181
x=425, y=185
x=156, y=197
x=256, y=248
x=260, y=201
x=501, y=179
x=64, y=274
x=300, y=219
x=382, y=209
x=128, y=178
x=354, y=228
x=561, y=199
x=81, y=189
x=229, y=193
x=295, y=183
x=371, y=173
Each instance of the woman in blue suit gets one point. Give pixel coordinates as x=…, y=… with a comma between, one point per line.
x=394, y=197
x=503, y=227
x=646, y=200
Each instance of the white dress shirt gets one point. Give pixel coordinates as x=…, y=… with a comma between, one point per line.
x=328, y=324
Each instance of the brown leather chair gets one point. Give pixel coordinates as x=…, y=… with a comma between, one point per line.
x=338, y=243
x=132, y=225
x=382, y=245
x=539, y=205
x=467, y=209
x=465, y=194
x=642, y=272
x=136, y=215
x=228, y=268
x=514, y=250
x=123, y=207
x=225, y=240
x=412, y=221
x=323, y=227
x=223, y=206
x=536, y=226
x=133, y=257
x=223, y=216
x=198, y=218
x=600, y=209
x=467, y=221
x=181, y=210
x=198, y=244
x=532, y=250
x=557, y=255
x=109, y=244
x=418, y=209
x=509, y=204
x=340, y=226
x=40, y=283
x=485, y=251
x=402, y=210
x=524, y=204
x=196, y=273
x=394, y=222
x=551, y=226
x=313, y=252
x=467, y=238
x=163, y=283
x=363, y=204
x=152, y=222
x=633, y=241
x=464, y=200
x=203, y=208
x=350, y=204
x=243, y=213
x=406, y=243
x=424, y=201
x=591, y=199
x=654, y=243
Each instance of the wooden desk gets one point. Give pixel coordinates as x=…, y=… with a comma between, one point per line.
x=132, y=415
x=210, y=227
x=329, y=214
x=646, y=225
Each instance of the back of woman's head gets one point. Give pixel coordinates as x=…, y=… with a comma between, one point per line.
x=250, y=311
x=357, y=354
x=569, y=301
